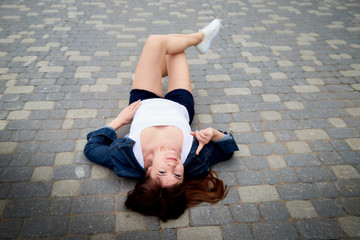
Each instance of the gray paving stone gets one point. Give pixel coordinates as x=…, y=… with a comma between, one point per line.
x=61, y=206
x=288, y=175
x=25, y=190
x=231, y=198
x=339, y=145
x=342, y=133
x=82, y=237
x=93, y=204
x=228, y=178
x=302, y=191
x=234, y=164
x=328, y=208
x=315, y=174
x=236, y=231
x=100, y=186
x=92, y=224
x=260, y=149
x=20, y=160
x=152, y=223
x=319, y=228
x=71, y=172
x=210, y=215
x=285, y=136
x=168, y=234
x=5, y=136
x=120, y=203
x=350, y=205
x=326, y=189
x=279, y=148
x=39, y=115
x=4, y=190
x=20, y=136
x=56, y=146
x=256, y=163
x=331, y=158
x=24, y=125
x=53, y=124
x=247, y=138
x=350, y=157
x=259, y=193
x=249, y=178
x=26, y=208
x=42, y=159
x=350, y=225
x=273, y=211
x=11, y=228
x=348, y=188
x=274, y=230
x=245, y=213
x=302, y=160
x=320, y=146
x=46, y=226
x=144, y=235
x=270, y=177
x=202, y=233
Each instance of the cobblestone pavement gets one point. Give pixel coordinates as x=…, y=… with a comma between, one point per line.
x=283, y=76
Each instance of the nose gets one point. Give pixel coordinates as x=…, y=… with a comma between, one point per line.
x=172, y=164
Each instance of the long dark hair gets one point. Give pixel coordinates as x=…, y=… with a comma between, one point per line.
x=150, y=198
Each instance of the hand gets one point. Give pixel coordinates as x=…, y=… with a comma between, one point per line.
x=125, y=116
x=204, y=137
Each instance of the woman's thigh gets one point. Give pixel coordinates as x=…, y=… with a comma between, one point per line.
x=178, y=72
x=148, y=74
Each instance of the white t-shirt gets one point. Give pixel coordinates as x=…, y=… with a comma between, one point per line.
x=160, y=112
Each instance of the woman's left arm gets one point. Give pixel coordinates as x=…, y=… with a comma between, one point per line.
x=204, y=136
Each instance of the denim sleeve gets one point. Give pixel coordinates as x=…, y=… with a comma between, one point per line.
x=108, y=133
x=97, y=147
x=226, y=137
x=227, y=143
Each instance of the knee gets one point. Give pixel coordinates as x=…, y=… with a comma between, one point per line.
x=155, y=41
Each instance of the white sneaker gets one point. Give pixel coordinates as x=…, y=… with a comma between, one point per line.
x=210, y=32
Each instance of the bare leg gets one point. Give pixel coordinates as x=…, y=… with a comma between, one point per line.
x=150, y=68
x=178, y=72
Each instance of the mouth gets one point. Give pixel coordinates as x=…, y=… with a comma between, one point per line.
x=172, y=159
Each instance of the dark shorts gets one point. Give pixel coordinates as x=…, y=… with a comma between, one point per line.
x=181, y=96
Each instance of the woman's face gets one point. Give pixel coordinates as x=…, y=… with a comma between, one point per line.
x=167, y=166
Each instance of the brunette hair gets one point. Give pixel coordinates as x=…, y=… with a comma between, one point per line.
x=150, y=198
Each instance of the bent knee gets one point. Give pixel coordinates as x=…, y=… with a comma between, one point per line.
x=155, y=42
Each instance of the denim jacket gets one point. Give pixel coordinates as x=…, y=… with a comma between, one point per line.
x=104, y=148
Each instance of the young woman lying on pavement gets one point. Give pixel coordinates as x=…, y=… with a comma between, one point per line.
x=171, y=161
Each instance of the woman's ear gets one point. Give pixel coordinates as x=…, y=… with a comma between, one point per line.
x=148, y=171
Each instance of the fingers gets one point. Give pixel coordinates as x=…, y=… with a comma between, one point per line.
x=135, y=105
x=202, y=137
x=199, y=148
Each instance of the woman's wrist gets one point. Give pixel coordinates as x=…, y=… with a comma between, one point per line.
x=115, y=124
x=217, y=135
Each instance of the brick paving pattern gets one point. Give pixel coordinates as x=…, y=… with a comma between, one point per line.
x=283, y=76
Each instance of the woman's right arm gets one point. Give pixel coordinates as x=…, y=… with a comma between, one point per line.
x=97, y=147
x=125, y=116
